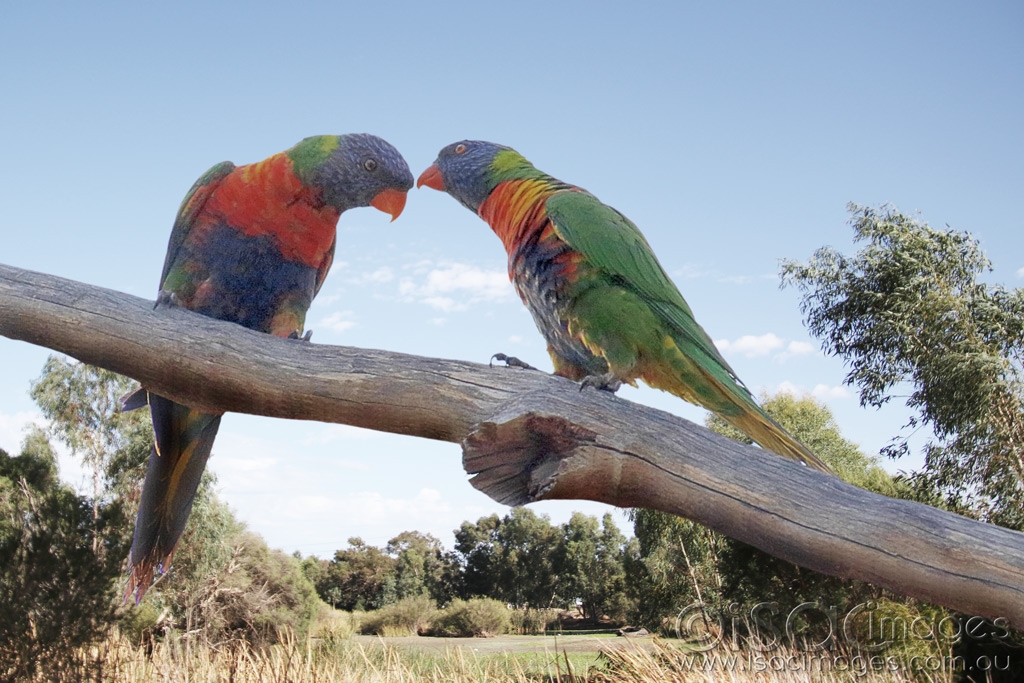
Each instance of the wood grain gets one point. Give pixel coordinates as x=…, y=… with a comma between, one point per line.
x=529, y=436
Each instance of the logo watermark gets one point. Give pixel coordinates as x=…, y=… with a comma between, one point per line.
x=815, y=637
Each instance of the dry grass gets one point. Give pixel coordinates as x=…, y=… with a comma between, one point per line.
x=667, y=662
x=335, y=657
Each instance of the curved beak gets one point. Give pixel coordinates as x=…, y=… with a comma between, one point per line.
x=431, y=178
x=390, y=201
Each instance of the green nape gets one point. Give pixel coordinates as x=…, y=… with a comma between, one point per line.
x=312, y=151
x=509, y=164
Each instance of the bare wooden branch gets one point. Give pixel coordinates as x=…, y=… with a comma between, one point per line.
x=528, y=436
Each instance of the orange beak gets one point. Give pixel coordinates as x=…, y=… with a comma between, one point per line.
x=431, y=178
x=390, y=201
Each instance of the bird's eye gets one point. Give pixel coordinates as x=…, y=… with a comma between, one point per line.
x=460, y=149
x=370, y=165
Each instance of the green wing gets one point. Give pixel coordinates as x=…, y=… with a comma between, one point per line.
x=613, y=244
x=191, y=205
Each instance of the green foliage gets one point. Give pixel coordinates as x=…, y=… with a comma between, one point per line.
x=480, y=552
x=590, y=566
x=224, y=581
x=410, y=616
x=58, y=564
x=479, y=617
x=356, y=579
x=520, y=560
x=81, y=403
x=673, y=563
x=908, y=309
x=422, y=567
x=365, y=577
x=274, y=593
x=511, y=559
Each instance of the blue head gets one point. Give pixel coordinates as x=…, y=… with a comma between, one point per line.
x=354, y=170
x=471, y=169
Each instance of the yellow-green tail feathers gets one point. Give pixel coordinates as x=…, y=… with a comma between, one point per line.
x=713, y=386
x=768, y=434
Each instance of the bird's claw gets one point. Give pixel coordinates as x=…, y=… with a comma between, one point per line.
x=510, y=362
x=305, y=337
x=606, y=382
x=167, y=298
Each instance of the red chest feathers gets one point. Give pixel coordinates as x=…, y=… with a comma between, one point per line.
x=267, y=199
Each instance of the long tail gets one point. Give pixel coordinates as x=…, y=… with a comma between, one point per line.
x=715, y=387
x=770, y=435
x=184, y=439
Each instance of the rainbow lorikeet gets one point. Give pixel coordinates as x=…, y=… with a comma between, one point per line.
x=609, y=312
x=251, y=244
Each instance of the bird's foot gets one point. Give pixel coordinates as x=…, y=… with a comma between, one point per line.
x=167, y=298
x=510, y=362
x=606, y=382
x=305, y=337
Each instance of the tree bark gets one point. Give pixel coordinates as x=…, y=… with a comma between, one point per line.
x=529, y=436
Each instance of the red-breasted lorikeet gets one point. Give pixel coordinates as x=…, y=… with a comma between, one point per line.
x=251, y=244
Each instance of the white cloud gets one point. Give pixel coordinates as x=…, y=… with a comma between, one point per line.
x=690, y=272
x=324, y=299
x=795, y=348
x=745, y=279
x=1020, y=272
x=455, y=286
x=751, y=346
x=787, y=387
x=338, y=321
x=822, y=392
x=382, y=274
x=378, y=276
x=443, y=303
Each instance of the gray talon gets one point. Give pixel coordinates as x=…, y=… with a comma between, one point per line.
x=510, y=362
x=167, y=298
x=606, y=382
x=306, y=337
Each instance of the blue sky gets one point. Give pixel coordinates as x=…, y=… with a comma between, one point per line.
x=733, y=134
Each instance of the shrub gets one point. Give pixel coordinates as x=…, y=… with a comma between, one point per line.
x=334, y=624
x=532, y=622
x=405, y=617
x=58, y=565
x=482, y=617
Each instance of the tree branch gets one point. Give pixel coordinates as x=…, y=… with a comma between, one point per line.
x=529, y=436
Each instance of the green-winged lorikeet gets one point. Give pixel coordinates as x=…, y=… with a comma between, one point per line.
x=597, y=293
